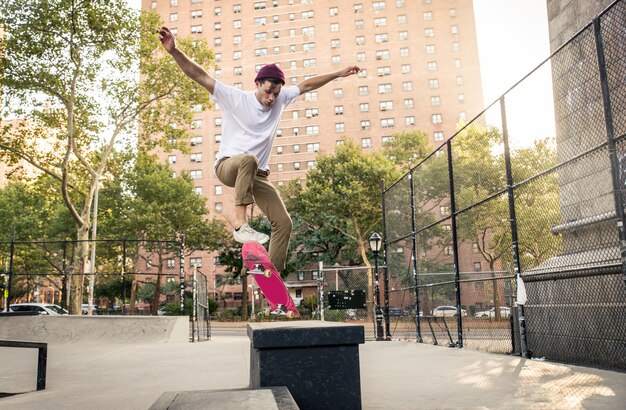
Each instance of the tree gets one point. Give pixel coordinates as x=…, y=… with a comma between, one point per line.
x=159, y=206
x=407, y=148
x=342, y=195
x=70, y=68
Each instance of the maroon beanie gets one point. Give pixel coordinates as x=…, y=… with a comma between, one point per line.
x=271, y=71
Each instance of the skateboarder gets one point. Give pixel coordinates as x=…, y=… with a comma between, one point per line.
x=249, y=123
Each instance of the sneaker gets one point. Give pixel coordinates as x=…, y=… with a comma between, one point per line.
x=246, y=234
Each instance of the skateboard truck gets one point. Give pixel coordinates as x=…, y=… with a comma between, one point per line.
x=257, y=269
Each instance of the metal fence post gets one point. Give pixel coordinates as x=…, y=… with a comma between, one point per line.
x=513, y=220
x=386, y=271
x=617, y=179
x=182, y=274
x=11, y=256
x=455, y=248
x=418, y=331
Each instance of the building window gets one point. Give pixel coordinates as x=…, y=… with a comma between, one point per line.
x=196, y=14
x=333, y=11
x=385, y=105
x=195, y=262
x=296, y=166
x=457, y=63
x=438, y=135
x=409, y=103
x=383, y=71
x=380, y=22
x=338, y=109
x=359, y=24
x=313, y=147
x=340, y=127
x=454, y=29
x=280, y=167
x=311, y=112
x=195, y=140
x=402, y=19
x=366, y=142
x=429, y=32
x=195, y=173
x=365, y=125
x=312, y=130
x=196, y=157
x=364, y=107
x=170, y=263
x=360, y=57
x=382, y=55
x=358, y=8
x=196, y=29
x=384, y=89
x=431, y=49
x=218, y=190
x=387, y=123
x=381, y=38
x=403, y=35
x=428, y=15
x=237, y=24
x=173, y=16
x=409, y=121
x=334, y=27
x=433, y=83
x=452, y=12
x=437, y=118
x=259, y=5
x=171, y=159
x=336, y=59
x=431, y=66
x=338, y=93
x=477, y=267
x=218, y=207
x=260, y=21
x=279, y=150
x=378, y=5
x=435, y=100
x=296, y=148
x=363, y=90
x=405, y=69
x=459, y=80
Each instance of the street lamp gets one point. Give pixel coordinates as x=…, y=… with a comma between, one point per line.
x=375, y=245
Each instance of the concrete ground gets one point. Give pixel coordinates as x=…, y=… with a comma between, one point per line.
x=394, y=375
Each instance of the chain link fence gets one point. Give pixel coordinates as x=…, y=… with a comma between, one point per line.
x=497, y=200
x=128, y=277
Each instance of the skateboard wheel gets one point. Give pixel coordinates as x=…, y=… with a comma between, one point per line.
x=244, y=271
x=290, y=314
x=266, y=311
x=267, y=273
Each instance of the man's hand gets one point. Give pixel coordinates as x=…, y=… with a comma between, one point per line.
x=349, y=71
x=167, y=39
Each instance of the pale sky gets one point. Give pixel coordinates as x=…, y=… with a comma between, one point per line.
x=512, y=40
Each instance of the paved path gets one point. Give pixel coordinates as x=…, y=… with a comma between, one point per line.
x=394, y=375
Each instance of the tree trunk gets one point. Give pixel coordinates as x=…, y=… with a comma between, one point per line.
x=82, y=262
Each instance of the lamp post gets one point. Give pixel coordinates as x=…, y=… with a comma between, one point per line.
x=375, y=245
x=252, y=297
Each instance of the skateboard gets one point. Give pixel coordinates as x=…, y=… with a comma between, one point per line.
x=257, y=263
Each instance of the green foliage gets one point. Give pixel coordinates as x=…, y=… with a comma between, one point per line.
x=407, y=148
x=340, y=205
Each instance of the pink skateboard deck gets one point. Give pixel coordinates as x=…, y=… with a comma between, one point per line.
x=257, y=263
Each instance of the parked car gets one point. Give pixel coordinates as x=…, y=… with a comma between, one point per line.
x=447, y=311
x=85, y=309
x=491, y=313
x=39, y=308
x=396, y=311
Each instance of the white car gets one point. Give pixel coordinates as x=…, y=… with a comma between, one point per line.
x=447, y=311
x=39, y=308
x=491, y=313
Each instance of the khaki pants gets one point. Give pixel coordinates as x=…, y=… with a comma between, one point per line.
x=252, y=186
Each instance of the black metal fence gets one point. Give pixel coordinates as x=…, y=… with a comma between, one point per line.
x=128, y=277
x=497, y=199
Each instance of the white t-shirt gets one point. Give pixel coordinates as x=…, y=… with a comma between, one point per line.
x=248, y=127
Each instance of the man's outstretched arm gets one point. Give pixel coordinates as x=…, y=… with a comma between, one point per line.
x=189, y=67
x=320, y=80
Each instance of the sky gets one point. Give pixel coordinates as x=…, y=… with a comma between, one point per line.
x=513, y=39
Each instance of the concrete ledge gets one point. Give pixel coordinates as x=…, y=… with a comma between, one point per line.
x=96, y=329
x=277, y=398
